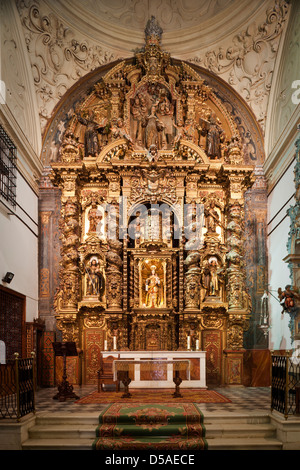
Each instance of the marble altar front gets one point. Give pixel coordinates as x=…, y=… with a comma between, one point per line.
x=162, y=375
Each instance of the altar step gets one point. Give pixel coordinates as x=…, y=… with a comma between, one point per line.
x=59, y=431
x=223, y=432
x=236, y=431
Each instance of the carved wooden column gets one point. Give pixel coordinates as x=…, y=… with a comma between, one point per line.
x=237, y=296
x=66, y=299
x=114, y=277
x=192, y=281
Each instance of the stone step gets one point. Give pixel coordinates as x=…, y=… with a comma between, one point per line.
x=223, y=432
x=239, y=430
x=46, y=431
x=244, y=443
x=234, y=418
x=92, y=418
x=58, y=444
x=62, y=431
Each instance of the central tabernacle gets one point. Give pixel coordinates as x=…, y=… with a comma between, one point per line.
x=152, y=182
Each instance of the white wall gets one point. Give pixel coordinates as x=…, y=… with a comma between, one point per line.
x=280, y=199
x=19, y=246
x=280, y=137
x=19, y=118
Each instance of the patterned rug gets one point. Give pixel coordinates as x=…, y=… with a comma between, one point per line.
x=154, y=426
x=155, y=396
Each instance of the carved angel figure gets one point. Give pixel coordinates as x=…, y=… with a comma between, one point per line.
x=287, y=299
x=119, y=131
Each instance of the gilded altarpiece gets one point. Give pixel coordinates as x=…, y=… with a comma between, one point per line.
x=153, y=180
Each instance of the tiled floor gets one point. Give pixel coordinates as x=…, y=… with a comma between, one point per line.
x=243, y=399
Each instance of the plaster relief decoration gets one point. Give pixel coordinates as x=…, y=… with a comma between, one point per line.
x=59, y=55
x=247, y=64
x=16, y=80
x=153, y=176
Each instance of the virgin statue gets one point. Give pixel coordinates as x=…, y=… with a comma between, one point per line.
x=153, y=289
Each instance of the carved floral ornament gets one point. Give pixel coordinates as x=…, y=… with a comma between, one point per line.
x=248, y=63
x=154, y=134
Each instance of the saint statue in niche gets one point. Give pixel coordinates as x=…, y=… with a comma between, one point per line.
x=212, y=220
x=212, y=277
x=94, y=217
x=94, y=279
x=214, y=281
x=153, y=289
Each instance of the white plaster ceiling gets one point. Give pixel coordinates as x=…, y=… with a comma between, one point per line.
x=122, y=22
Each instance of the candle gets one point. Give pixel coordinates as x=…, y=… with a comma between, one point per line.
x=115, y=342
x=105, y=345
x=197, y=344
x=189, y=342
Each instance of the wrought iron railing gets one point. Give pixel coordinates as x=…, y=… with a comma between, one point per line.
x=285, y=384
x=17, y=387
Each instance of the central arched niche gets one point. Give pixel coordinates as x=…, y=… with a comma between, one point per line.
x=89, y=177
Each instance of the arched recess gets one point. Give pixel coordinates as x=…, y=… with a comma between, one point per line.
x=81, y=175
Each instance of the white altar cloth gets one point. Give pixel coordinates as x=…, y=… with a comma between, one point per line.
x=198, y=357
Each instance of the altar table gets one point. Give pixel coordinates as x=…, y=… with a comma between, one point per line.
x=196, y=377
x=122, y=371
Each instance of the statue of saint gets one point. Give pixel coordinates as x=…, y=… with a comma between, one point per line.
x=139, y=114
x=212, y=277
x=153, y=130
x=212, y=220
x=93, y=128
x=94, y=217
x=93, y=278
x=214, y=281
x=215, y=136
x=164, y=112
x=153, y=288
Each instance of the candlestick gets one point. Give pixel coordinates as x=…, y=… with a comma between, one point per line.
x=115, y=342
x=188, y=342
x=197, y=344
x=105, y=345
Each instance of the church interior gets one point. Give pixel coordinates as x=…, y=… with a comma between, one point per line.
x=149, y=204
